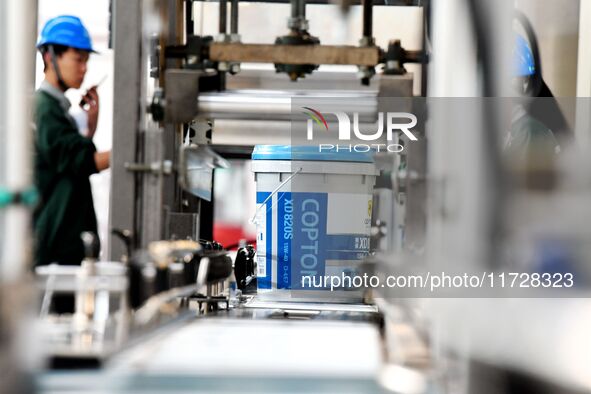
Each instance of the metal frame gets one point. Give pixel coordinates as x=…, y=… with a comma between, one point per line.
x=146, y=201
x=398, y=3
x=294, y=54
x=127, y=34
x=145, y=198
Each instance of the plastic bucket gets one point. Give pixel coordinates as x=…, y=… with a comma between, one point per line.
x=313, y=215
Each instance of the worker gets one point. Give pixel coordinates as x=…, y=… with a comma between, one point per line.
x=530, y=135
x=64, y=159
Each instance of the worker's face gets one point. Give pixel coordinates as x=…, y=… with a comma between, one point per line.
x=72, y=66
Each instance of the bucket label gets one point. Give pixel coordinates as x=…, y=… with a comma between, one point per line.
x=264, y=222
x=312, y=234
x=285, y=230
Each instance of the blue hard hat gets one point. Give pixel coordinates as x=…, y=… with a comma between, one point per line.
x=65, y=30
x=523, y=58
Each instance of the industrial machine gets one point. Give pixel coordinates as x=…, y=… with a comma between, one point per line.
x=185, y=105
x=174, y=310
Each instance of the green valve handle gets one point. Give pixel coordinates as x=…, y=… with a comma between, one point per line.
x=5, y=198
x=28, y=197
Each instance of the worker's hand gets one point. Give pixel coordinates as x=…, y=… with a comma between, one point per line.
x=91, y=106
x=102, y=160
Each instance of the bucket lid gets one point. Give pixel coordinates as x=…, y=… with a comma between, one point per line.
x=309, y=153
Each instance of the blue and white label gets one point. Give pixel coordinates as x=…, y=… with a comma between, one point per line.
x=310, y=234
x=310, y=251
x=264, y=222
x=285, y=231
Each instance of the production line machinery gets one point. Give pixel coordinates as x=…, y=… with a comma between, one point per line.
x=175, y=311
x=189, y=90
x=178, y=310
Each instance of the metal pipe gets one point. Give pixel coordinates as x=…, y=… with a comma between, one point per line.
x=223, y=22
x=279, y=105
x=17, y=71
x=298, y=10
x=232, y=132
x=189, y=22
x=4, y=103
x=302, y=10
x=234, y=17
x=367, y=18
x=295, y=8
x=18, y=25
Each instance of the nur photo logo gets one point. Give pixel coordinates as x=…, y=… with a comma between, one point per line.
x=388, y=122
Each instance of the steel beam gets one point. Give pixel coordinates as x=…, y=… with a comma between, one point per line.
x=277, y=105
x=294, y=54
x=127, y=19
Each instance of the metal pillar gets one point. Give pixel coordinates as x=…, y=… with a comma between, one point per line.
x=18, y=28
x=583, y=117
x=127, y=34
x=17, y=70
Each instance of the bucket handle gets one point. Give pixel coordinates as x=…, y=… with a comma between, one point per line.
x=253, y=219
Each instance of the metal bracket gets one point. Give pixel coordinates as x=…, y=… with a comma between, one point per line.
x=199, y=132
x=396, y=56
x=157, y=167
x=196, y=51
x=231, y=67
x=182, y=89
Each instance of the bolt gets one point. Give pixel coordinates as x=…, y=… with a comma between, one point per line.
x=223, y=66
x=222, y=38
x=366, y=41
x=192, y=59
x=365, y=72
x=299, y=24
x=234, y=68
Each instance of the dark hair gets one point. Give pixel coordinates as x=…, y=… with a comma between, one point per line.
x=57, y=49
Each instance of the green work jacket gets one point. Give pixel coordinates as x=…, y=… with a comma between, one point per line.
x=64, y=160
